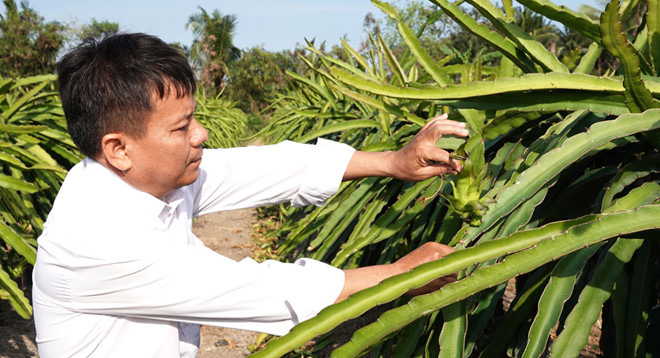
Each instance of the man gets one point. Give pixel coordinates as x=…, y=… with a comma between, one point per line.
x=119, y=272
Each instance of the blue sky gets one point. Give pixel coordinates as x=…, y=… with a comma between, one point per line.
x=275, y=25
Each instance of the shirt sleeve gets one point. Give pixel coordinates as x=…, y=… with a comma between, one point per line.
x=194, y=284
x=300, y=174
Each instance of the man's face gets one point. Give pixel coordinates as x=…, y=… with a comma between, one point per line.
x=167, y=157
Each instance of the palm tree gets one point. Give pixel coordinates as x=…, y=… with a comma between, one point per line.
x=10, y=8
x=212, y=49
x=28, y=45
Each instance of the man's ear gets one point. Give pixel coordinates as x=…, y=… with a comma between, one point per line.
x=115, y=150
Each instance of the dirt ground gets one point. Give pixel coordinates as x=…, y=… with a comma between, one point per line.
x=16, y=334
x=227, y=233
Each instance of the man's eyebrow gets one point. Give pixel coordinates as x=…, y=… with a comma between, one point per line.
x=190, y=114
x=184, y=118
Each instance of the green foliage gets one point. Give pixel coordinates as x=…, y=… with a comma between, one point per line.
x=28, y=45
x=35, y=154
x=439, y=36
x=559, y=191
x=97, y=29
x=213, y=47
x=226, y=124
x=422, y=18
x=257, y=77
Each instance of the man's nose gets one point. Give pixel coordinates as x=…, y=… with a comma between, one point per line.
x=199, y=135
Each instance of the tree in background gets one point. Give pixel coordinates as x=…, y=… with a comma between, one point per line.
x=417, y=13
x=255, y=79
x=541, y=29
x=213, y=49
x=97, y=29
x=75, y=34
x=463, y=44
x=28, y=45
x=438, y=34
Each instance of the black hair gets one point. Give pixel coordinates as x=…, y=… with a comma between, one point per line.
x=107, y=86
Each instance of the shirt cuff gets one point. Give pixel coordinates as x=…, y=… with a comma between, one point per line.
x=325, y=174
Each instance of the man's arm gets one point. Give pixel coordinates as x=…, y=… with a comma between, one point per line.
x=420, y=159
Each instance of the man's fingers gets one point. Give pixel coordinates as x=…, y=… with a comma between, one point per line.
x=435, y=120
x=439, y=169
x=447, y=127
x=432, y=286
x=442, y=158
x=421, y=159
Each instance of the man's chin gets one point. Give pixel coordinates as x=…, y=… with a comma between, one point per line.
x=191, y=178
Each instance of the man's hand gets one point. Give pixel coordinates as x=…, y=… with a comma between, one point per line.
x=365, y=277
x=420, y=159
x=428, y=252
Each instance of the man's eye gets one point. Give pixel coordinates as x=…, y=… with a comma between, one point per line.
x=184, y=127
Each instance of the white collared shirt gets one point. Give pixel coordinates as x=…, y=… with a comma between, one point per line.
x=117, y=269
